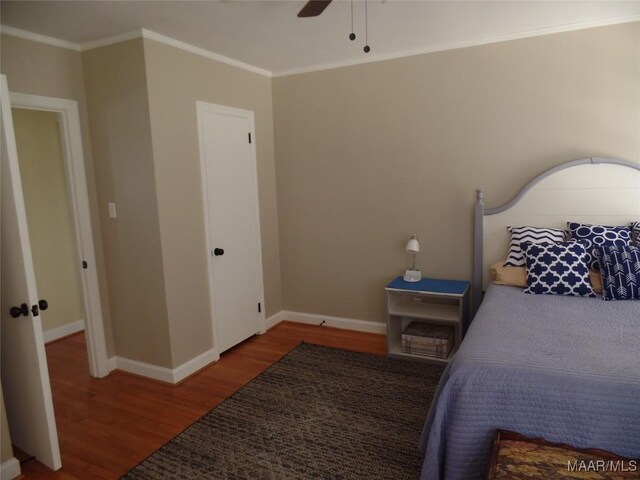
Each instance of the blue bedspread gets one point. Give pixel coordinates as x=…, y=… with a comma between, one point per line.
x=563, y=368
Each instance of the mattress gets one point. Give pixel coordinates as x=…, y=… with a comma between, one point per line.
x=563, y=368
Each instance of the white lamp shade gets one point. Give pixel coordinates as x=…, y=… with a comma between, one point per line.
x=413, y=246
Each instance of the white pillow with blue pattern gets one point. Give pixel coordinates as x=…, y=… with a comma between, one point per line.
x=596, y=236
x=557, y=269
x=520, y=235
x=620, y=270
x=635, y=228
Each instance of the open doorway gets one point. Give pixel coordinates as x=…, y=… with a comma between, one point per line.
x=53, y=178
x=46, y=196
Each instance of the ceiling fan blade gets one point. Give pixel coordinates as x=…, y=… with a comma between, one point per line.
x=313, y=8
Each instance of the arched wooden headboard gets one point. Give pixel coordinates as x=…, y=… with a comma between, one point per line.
x=595, y=190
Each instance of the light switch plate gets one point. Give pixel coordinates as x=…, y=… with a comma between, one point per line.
x=112, y=209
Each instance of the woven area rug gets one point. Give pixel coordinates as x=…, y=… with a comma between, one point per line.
x=318, y=413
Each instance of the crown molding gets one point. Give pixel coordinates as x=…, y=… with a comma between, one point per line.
x=111, y=40
x=148, y=34
x=36, y=37
x=454, y=46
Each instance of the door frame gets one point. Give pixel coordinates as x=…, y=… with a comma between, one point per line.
x=201, y=108
x=78, y=200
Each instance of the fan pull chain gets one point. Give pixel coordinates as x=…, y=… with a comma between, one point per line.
x=352, y=36
x=366, y=48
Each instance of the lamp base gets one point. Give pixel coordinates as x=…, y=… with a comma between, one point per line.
x=412, y=275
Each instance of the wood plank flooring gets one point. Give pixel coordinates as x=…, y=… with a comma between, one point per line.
x=106, y=426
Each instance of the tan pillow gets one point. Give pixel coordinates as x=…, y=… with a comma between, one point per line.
x=517, y=276
x=512, y=276
x=596, y=281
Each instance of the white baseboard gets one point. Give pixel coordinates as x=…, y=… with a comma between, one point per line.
x=10, y=469
x=62, y=331
x=163, y=374
x=177, y=374
x=329, y=321
x=274, y=319
x=111, y=363
x=195, y=364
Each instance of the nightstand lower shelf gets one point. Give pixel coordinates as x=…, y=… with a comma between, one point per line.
x=398, y=353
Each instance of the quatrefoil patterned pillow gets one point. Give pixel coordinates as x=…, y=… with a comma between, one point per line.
x=557, y=269
x=596, y=236
x=620, y=270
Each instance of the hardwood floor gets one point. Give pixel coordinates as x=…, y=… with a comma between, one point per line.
x=106, y=426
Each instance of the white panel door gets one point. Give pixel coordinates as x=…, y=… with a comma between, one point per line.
x=231, y=210
x=25, y=378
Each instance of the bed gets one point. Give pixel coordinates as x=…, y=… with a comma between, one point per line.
x=563, y=368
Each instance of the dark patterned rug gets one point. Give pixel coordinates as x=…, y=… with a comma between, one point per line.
x=318, y=413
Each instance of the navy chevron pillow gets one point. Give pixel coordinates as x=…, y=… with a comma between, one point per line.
x=520, y=235
x=597, y=236
x=635, y=228
x=620, y=270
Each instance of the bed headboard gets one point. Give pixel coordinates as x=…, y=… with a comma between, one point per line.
x=596, y=190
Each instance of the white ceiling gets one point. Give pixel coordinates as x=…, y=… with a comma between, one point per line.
x=267, y=34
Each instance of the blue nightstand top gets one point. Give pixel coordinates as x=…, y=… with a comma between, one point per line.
x=433, y=285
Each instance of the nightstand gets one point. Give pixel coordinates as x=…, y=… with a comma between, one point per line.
x=431, y=301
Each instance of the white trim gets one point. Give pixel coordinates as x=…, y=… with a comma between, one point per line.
x=111, y=40
x=172, y=42
x=275, y=319
x=10, y=469
x=148, y=34
x=202, y=107
x=329, y=321
x=36, y=37
x=164, y=374
x=112, y=363
x=144, y=369
x=192, y=366
x=454, y=46
x=63, y=331
x=70, y=135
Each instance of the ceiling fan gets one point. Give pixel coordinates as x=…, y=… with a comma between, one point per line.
x=313, y=8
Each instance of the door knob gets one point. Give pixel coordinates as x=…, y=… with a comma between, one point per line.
x=23, y=309
x=43, y=304
x=218, y=251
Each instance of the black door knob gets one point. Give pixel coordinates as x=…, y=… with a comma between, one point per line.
x=218, y=251
x=43, y=304
x=23, y=309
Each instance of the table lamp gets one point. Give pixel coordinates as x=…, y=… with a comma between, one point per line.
x=412, y=274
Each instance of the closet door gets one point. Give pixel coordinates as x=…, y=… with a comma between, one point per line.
x=228, y=163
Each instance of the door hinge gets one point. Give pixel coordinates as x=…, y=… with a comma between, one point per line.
x=259, y=308
x=249, y=137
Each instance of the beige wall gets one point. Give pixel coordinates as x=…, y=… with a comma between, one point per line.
x=368, y=155
x=176, y=80
x=40, y=69
x=48, y=216
x=116, y=87
x=6, y=451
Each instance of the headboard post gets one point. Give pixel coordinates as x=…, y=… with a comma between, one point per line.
x=478, y=236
